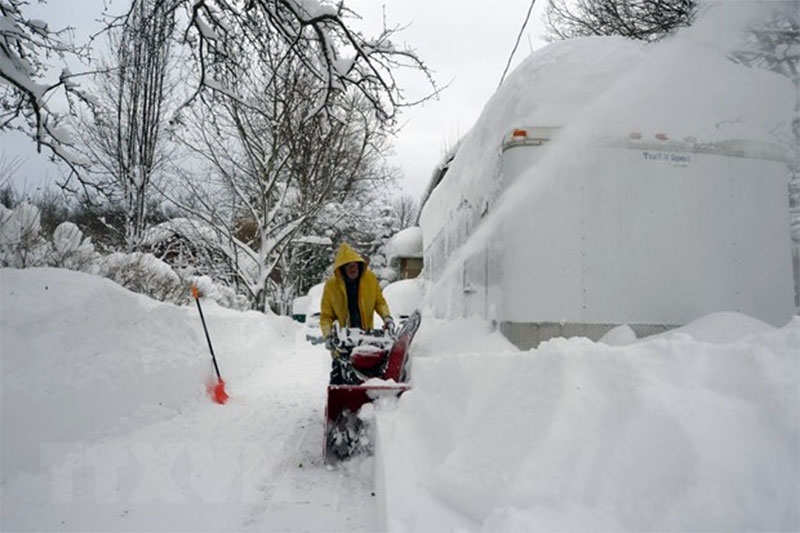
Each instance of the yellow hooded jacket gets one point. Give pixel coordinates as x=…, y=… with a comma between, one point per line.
x=334, y=295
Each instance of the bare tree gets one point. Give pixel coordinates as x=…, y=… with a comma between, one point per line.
x=317, y=36
x=125, y=137
x=216, y=32
x=646, y=20
x=274, y=162
x=406, y=209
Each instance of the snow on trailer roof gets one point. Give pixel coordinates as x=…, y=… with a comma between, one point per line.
x=551, y=87
x=611, y=87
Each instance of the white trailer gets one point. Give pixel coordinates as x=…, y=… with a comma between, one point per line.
x=645, y=231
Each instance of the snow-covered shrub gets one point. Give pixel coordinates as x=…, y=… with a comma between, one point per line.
x=21, y=246
x=224, y=296
x=71, y=249
x=145, y=274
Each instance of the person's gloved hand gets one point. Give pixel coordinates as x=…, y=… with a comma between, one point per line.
x=388, y=325
x=330, y=342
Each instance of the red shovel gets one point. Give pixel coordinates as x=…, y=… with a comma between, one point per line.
x=216, y=391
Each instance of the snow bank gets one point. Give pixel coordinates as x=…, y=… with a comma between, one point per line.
x=693, y=430
x=80, y=354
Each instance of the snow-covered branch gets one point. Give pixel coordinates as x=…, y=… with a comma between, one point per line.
x=318, y=36
x=26, y=46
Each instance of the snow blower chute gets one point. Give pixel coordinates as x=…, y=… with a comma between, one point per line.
x=374, y=365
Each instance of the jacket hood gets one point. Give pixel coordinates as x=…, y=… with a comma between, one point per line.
x=345, y=254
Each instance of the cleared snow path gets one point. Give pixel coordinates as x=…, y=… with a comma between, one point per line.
x=106, y=426
x=300, y=493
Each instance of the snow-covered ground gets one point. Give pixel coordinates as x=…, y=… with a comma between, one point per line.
x=106, y=426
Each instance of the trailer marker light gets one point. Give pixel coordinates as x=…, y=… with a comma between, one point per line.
x=661, y=136
x=519, y=134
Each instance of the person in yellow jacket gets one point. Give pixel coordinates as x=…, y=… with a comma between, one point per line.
x=351, y=297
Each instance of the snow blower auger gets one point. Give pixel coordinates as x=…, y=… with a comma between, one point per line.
x=374, y=365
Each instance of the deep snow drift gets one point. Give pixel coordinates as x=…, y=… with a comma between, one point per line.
x=693, y=430
x=105, y=425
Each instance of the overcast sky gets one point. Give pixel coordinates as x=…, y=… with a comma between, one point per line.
x=465, y=42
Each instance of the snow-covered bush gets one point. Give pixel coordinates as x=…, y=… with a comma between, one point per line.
x=145, y=274
x=224, y=296
x=71, y=249
x=21, y=246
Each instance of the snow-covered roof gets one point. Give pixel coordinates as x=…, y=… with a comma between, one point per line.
x=406, y=243
x=192, y=230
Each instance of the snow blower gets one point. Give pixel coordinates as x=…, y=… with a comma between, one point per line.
x=215, y=390
x=374, y=365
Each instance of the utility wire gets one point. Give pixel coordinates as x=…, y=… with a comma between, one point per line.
x=516, y=44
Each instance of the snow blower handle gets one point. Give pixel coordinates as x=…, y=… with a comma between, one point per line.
x=389, y=326
x=335, y=337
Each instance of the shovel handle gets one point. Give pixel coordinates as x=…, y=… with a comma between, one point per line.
x=205, y=330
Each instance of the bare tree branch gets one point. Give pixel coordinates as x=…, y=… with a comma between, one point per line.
x=646, y=20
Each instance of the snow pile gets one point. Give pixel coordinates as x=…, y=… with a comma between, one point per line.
x=692, y=430
x=80, y=353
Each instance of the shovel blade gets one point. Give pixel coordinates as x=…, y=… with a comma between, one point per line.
x=217, y=392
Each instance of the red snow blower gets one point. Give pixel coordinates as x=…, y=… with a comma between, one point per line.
x=215, y=390
x=374, y=365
